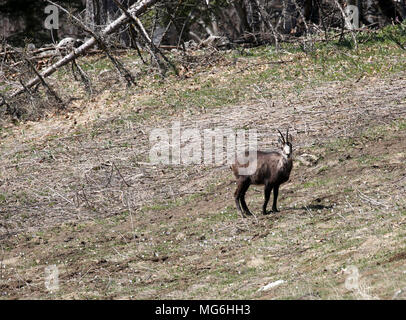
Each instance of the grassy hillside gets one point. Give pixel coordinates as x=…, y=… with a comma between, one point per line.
x=77, y=189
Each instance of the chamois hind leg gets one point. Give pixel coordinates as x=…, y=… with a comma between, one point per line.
x=244, y=189
x=237, y=195
x=267, y=194
x=275, y=198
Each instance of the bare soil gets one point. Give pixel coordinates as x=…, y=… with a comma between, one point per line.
x=77, y=192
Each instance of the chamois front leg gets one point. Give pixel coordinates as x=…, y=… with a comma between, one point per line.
x=275, y=198
x=267, y=194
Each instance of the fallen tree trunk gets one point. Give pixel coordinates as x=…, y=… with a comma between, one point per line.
x=135, y=9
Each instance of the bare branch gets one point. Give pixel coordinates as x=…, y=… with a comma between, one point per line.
x=136, y=9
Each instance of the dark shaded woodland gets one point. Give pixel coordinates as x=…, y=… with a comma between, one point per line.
x=175, y=21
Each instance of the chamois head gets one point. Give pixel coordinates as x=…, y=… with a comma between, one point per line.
x=285, y=144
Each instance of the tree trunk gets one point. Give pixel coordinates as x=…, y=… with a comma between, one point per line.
x=311, y=11
x=242, y=25
x=289, y=16
x=100, y=13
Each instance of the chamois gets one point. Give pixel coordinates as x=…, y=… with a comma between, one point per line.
x=272, y=169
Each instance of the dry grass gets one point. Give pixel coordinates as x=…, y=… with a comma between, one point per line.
x=75, y=191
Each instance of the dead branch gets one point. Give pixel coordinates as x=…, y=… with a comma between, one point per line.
x=117, y=64
x=44, y=83
x=347, y=23
x=133, y=35
x=264, y=16
x=135, y=9
x=83, y=76
x=152, y=48
x=140, y=29
x=119, y=173
x=3, y=101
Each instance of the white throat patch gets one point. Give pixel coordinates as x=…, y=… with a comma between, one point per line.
x=286, y=149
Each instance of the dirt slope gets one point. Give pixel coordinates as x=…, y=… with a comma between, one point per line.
x=79, y=194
